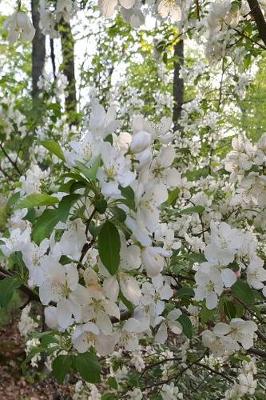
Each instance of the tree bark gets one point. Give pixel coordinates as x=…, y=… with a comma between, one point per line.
x=178, y=83
x=257, y=14
x=38, y=51
x=68, y=68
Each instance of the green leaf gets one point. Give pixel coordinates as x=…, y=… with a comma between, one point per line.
x=13, y=199
x=109, y=247
x=7, y=289
x=206, y=315
x=45, y=225
x=54, y=148
x=112, y=382
x=173, y=196
x=185, y=292
x=187, y=325
x=87, y=365
x=65, y=205
x=89, y=172
x=243, y=292
x=61, y=366
x=36, y=200
x=229, y=309
x=119, y=214
x=101, y=205
x=194, y=209
x=129, y=197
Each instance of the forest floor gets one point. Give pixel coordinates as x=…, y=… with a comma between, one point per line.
x=14, y=385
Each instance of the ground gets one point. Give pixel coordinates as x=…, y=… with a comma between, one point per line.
x=14, y=385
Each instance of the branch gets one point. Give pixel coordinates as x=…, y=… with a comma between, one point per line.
x=13, y=163
x=215, y=372
x=259, y=18
x=257, y=352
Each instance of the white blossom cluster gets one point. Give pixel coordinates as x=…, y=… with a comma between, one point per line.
x=94, y=304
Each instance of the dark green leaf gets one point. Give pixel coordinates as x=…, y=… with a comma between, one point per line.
x=229, y=309
x=109, y=247
x=187, y=325
x=119, y=214
x=65, y=205
x=87, y=365
x=45, y=225
x=185, y=292
x=129, y=197
x=243, y=292
x=7, y=289
x=101, y=205
x=61, y=366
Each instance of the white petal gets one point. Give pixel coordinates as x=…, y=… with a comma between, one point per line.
x=127, y=3
x=130, y=288
x=107, y=7
x=161, y=335
x=211, y=301
x=228, y=277
x=111, y=288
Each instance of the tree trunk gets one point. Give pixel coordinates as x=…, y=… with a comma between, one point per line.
x=68, y=69
x=178, y=84
x=38, y=51
x=258, y=16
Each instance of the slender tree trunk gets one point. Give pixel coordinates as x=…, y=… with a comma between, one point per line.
x=38, y=51
x=68, y=69
x=178, y=84
x=258, y=16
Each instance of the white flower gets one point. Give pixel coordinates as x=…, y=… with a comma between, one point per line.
x=17, y=241
x=64, y=9
x=219, y=344
x=140, y=141
x=88, y=335
x=129, y=260
x=243, y=332
x=170, y=392
x=135, y=394
x=161, y=168
x=72, y=240
x=256, y=274
x=171, y=322
x=26, y=324
x=171, y=8
x=19, y=25
x=31, y=182
x=225, y=338
x=108, y=6
x=60, y=285
x=33, y=256
x=102, y=123
x=153, y=260
x=115, y=171
x=148, y=199
x=224, y=244
x=209, y=285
